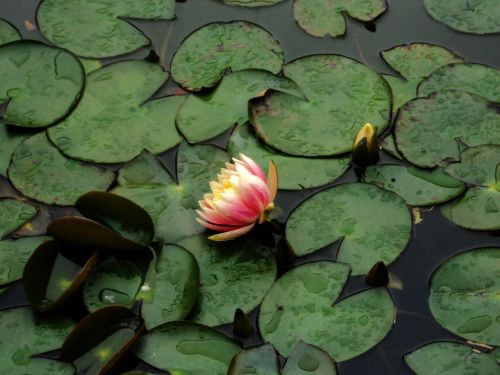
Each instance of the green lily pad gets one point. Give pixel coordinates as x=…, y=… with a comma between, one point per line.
x=416, y=186
x=299, y=307
x=414, y=62
x=172, y=206
x=474, y=78
x=205, y=55
x=464, y=295
x=251, y=3
x=13, y=214
x=99, y=29
x=13, y=256
x=429, y=130
x=187, y=346
x=8, y=33
x=307, y=359
x=41, y=172
x=351, y=213
x=388, y=144
x=257, y=360
x=474, y=17
x=202, y=117
x=89, y=65
x=41, y=83
x=10, y=137
x=113, y=111
x=450, y=358
x=23, y=334
x=342, y=95
x=235, y=274
x=294, y=172
x=326, y=17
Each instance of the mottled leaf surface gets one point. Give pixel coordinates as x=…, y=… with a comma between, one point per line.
x=8, y=33
x=10, y=137
x=257, y=360
x=13, y=214
x=306, y=359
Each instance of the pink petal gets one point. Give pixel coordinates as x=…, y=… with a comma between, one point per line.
x=236, y=212
x=253, y=167
x=218, y=228
x=231, y=234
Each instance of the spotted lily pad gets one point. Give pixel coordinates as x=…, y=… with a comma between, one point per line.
x=206, y=54
x=414, y=62
x=307, y=359
x=172, y=206
x=474, y=78
x=299, y=307
x=10, y=137
x=351, y=213
x=113, y=112
x=416, y=186
x=342, y=95
x=257, y=360
x=233, y=275
x=205, y=116
x=99, y=29
x=450, y=358
x=13, y=214
x=187, y=347
x=23, y=334
x=429, y=130
x=40, y=83
x=468, y=16
x=464, y=295
x=41, y=172
x=8, y=33
x=294, y=172
x=326, y=17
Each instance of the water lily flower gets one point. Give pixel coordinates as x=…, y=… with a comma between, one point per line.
x=365, y=149
x=241, y=197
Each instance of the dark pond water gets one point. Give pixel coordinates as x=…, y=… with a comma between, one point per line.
x=434, y=239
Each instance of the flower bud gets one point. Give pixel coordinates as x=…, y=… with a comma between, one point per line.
x=365, y=149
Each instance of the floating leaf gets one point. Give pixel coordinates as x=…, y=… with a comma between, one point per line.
x=414, y=62
x=474, y=78
x=13, y=214
x=351, y=213
x=8, y=33
x=10, y=137
x=450, y=358
x=189, y=347
x=342, y=95
x=464, y=295
x=40, y=83
x=97, y=29
x=233, y=275
x=429, y=130
x=251, y=3
x=299, y=307
x=89, y=65
x=326, y=17
x=23, y=334
x=113, y=112
x=172, y=206
x=205, y=116
x=294, y=172
x=307, y=359
x=416, y=186
x=474, y=17
x=257, y=360
x=41, y=172
x=205, y=55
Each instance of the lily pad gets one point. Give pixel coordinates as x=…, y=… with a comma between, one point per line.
x=307, y=359
x=414, y=62
x=294, y=172
x=450, y=358
x=257, y=360
x=202, y=117
x=172, y=206
x=113, y=112
x=251, y=3
x=41, y=83
x=474, y=78
x=232, y=275
x=23, y=334
x=187, y=346
x=13, y=256
x=326, y=17
x=429, y=130
x=299, y=307
x=205, y=55
x=13, y=214
x=41, y=172
x=10, y=137
x=97, y=29
x=464, y=295
x=8, y=33
x=351, y=213
x=416, y=186
x=474, y=17
x=342, y=95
